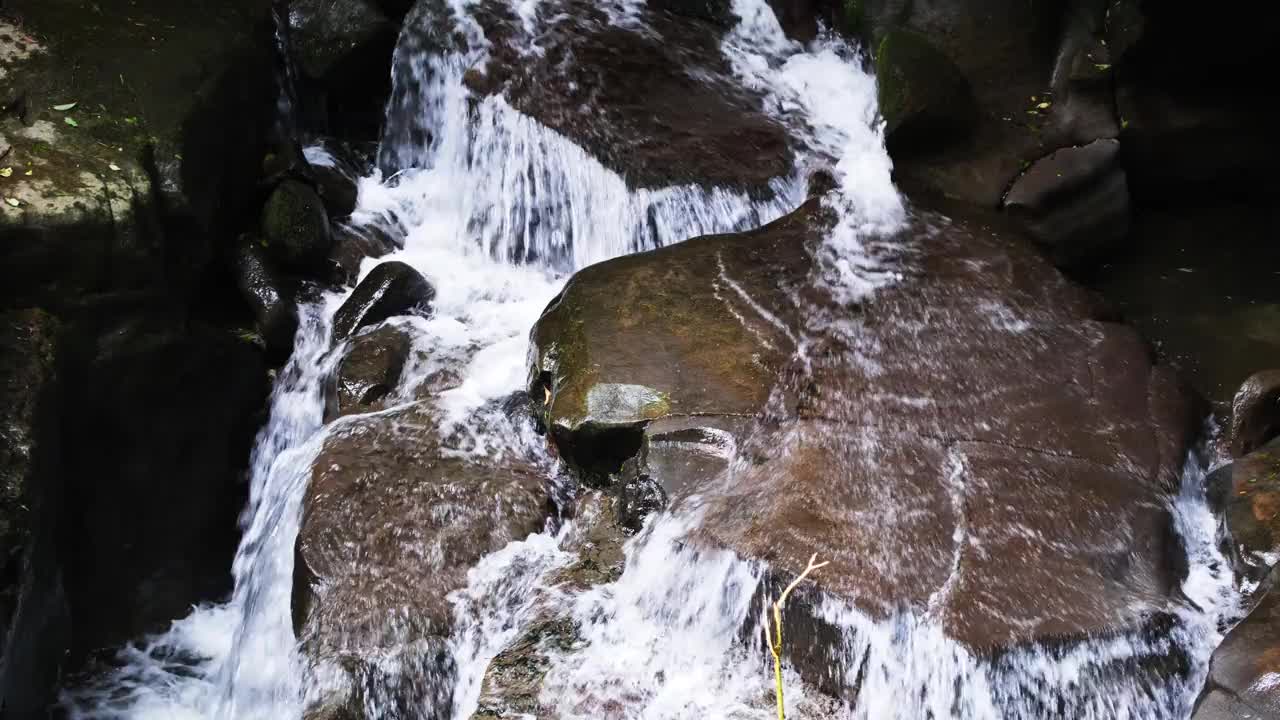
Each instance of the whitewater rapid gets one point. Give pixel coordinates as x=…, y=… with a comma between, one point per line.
x=664, y=639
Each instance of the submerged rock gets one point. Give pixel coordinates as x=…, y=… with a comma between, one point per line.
x=967, y=443
x=392, y=288
x=394, y=516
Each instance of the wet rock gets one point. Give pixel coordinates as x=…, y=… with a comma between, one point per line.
x=392, y=288
x=1246, y=494
x=1025, y=67
x=718, y=12
x=1255, y=412
x=353, y=243
x=336, y=186
x=923, y=97
x=270, y=295
x=295, y=227
x=660, y=108
x=980, y=385
x=1243, y=669
x=393, y=518
x=369, y=372
x=1075, y=202
x=513, y=681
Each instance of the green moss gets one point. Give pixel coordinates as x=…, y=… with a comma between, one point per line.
x=920, y=86
x=853, y=21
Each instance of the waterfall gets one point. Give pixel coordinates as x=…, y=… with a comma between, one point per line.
x=499, y=210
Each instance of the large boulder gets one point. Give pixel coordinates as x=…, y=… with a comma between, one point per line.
x=977, y=394
x=1075, y=202
x=393, y=518
x=390, y=289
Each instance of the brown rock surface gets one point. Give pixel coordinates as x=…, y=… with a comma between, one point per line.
x=393, y=518
x=970, y=442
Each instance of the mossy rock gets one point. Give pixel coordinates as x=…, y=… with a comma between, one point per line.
x=923, y=95
x=295, y=226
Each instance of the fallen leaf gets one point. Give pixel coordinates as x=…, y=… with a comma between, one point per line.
x=70, y=121
x=1043, y=106
x=114, y=166
x=29, y=173
x=6, y=172
x=64, y=108
x=12, y=202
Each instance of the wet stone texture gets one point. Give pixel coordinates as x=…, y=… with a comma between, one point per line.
x=1244, y=676
x=660, y=107
x=970, y=443
x=394, y=516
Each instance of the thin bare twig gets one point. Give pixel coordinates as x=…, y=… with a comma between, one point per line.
x=775, y=643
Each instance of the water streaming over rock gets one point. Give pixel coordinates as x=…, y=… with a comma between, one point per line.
x=498, y=210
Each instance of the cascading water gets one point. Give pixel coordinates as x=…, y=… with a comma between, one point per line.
x=498, y=210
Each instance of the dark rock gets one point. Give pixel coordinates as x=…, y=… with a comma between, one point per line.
x=923, y=97
x=28, y=343
x=392, y=288
x=324, y=32
x=1243, y=668
x=369, y=372
x=295, y=227
x=799, y=18
x=353, y=243
x=1006, y=52
x=1075, y=202
x=1255, y=412
x=343, y=50
x=270, y=295
x=982, y=372
x=391, y=523
x=718, y=12
x=337, y=188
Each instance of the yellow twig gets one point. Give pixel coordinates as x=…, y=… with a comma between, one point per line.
x=775, y=643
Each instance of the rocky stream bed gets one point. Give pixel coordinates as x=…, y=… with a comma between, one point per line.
x=477, y=359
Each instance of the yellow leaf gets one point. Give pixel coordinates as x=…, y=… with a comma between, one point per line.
x=6, y=172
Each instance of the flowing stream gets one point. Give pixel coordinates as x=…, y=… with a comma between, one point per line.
x=498, y=211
